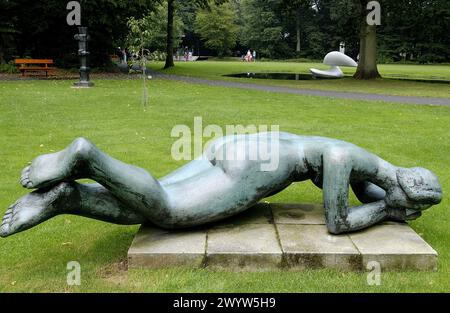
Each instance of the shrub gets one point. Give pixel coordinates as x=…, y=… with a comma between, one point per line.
x=8, y=68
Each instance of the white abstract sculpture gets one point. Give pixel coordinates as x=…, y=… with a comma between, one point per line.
x=334, y=59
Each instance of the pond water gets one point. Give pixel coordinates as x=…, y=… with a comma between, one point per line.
x=308, y=76
x=283, y=76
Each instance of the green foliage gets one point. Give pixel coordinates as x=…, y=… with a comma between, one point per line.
x=157, y=56
x=410, y=31
x=42, y=32
x=150, y=31
x=8, y=68
x=7, y=31
x=217, y=28
x=415, y=30
x=263, y=29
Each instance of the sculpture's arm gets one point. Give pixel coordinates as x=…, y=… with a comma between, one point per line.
x=337, y=167
x=366, y=215
x=367, y=192
x=381, y=184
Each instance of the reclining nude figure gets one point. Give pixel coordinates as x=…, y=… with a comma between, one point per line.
x=208, y=188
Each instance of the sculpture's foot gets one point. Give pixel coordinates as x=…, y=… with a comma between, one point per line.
x=49, y=169
x=33, y=209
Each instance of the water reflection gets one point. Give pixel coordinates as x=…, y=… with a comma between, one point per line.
x=308, y=76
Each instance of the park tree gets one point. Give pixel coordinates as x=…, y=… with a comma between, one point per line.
x=311, y=24
x=41, y=31
x=263, y=28
x=410, y=31
x=217, y=28
x=149, y=32
x=310, y=28
x=298, y=10
x=169, y=34
x=7, y=29
x=343, y=25
x=107, y=21
x=367, y=63
x=423, y=38
x=171, y=10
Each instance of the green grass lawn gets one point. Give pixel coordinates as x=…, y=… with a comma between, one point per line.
x=44, y=116
x=216, y=70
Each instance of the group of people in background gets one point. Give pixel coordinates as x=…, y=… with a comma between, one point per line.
x=182, y=54
x=250, y=56
x=187, y=54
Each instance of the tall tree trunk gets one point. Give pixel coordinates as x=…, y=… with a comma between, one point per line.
x=297, y=26
x=2, y=60
x=2, y=44
x=169, y=46
x=367, y=64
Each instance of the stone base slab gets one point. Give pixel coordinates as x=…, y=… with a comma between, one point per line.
x=281, y=236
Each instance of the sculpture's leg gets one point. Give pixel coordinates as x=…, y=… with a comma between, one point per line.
x=82, y=159
x=90, y=200
x=336, y=179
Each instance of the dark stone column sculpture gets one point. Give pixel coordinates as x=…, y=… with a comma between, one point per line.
x=83, y=52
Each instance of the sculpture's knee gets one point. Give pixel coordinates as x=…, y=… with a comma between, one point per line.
x=335, y=229
x=81, y=147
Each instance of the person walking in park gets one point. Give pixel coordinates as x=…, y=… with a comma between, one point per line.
x=248, y=56
x=186, y=54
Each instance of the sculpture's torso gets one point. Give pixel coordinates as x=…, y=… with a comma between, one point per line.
x=244, y=176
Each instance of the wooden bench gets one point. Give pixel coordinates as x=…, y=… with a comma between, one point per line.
x=34, y=65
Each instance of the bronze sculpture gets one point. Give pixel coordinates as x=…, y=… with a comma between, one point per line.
x=210, y=188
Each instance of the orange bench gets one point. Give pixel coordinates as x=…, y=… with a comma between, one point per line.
x=34, y=65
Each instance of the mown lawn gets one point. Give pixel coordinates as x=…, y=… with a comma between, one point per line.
x=216, y=70
x=44, y=116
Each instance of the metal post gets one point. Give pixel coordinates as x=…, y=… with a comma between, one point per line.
x=83, y=52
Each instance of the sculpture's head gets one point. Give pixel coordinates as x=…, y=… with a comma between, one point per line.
x=417, y=190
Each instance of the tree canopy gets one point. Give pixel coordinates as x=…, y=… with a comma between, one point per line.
x=410, y=31
x=41, y=31
x=217, y=28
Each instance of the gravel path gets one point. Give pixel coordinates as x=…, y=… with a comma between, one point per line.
x=298, y=91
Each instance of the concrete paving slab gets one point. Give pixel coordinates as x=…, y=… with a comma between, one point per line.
x=253, y=247
x=154, y=248
x=395, y=247
x=257, y=214
x=311, y=246
x=308, y=214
